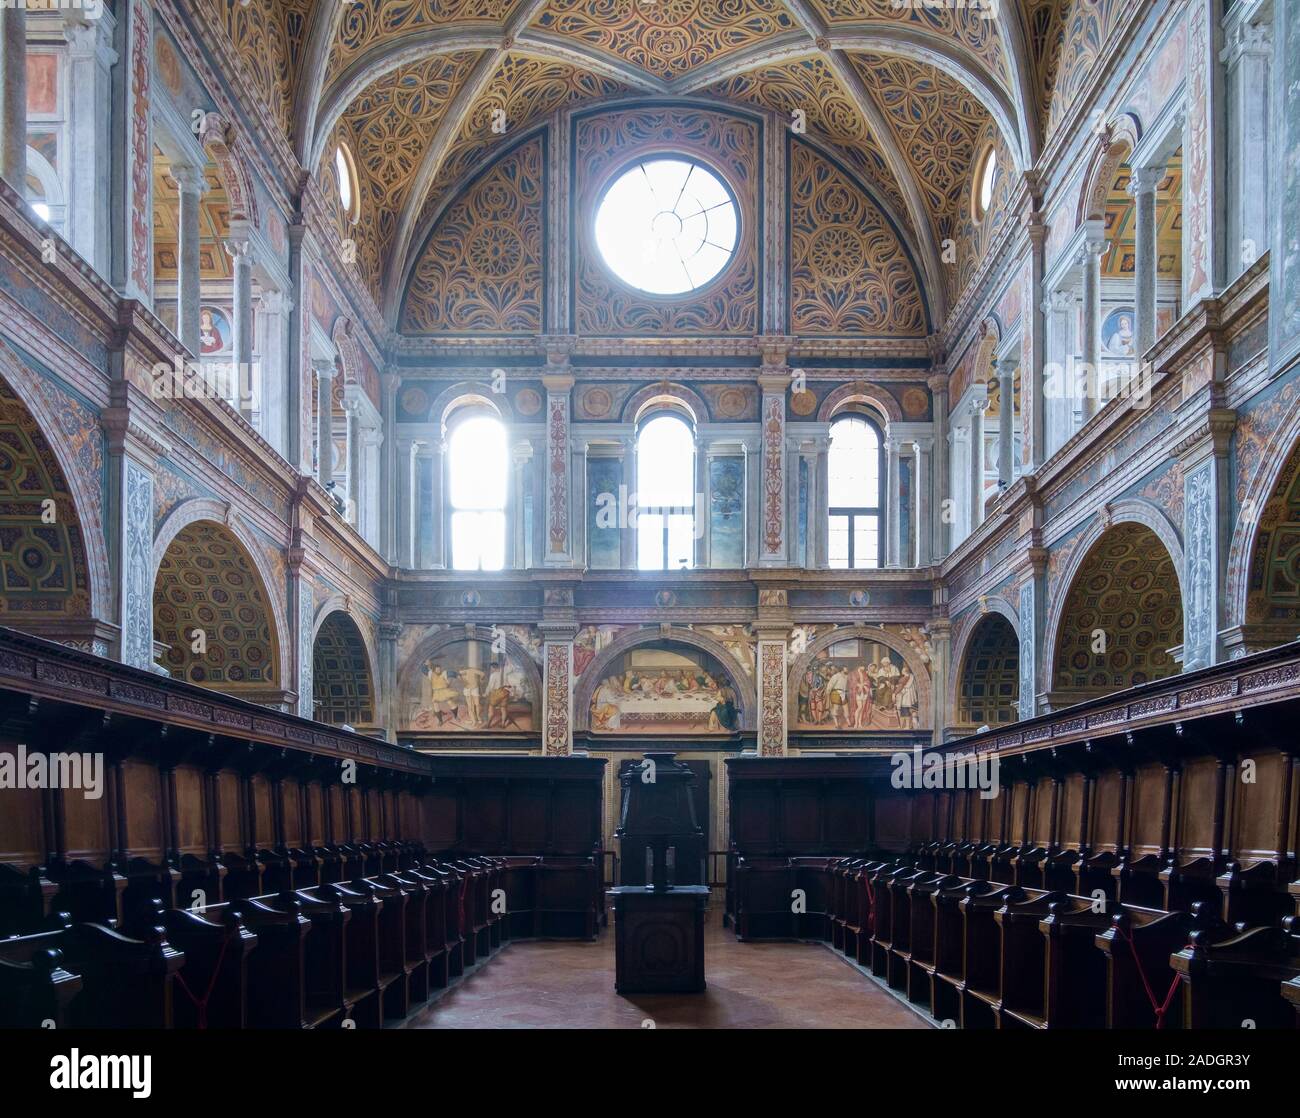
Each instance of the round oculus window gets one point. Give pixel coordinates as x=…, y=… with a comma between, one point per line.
x=667, y=226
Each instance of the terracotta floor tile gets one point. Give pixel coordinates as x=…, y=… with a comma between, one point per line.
x=545, y=984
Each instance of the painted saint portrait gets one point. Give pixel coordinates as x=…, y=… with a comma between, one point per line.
x=664, y=689
x=215, y=332
x=1117, y=335
x=857, y=685
x=466, y=687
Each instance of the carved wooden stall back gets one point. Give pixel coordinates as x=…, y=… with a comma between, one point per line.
x=231, y=865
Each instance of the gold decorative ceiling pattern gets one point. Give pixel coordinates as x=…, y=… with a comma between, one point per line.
x=967, y=24
x=387, y=130
x=539, y=47
x=523, y=91
x=365, y=24
x=666, y=38
x=1121, y=223
x=809, y=87
x=937, y=125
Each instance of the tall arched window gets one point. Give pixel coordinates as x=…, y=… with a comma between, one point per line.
x=856, y=467
x=665, y=471
x=476, y=463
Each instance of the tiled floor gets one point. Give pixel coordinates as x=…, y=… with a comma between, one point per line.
x=532, y=984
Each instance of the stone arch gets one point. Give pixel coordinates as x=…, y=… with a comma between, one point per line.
x=964, y=632
x=345, y=345
x=1106, y=586
x=469, y=392
x=202, y=511
x=57, y=434
x=1111, y=152
x=343, y=669
x=985, y=687
x=217, y=135
x=433, y=643
x=746, y=695
x=670, y=393
x=1265, y=543
x=916, y=665
x=1269, y=467
x=859, y=392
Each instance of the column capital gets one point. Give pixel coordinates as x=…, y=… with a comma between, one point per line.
x=239, y=250
x=922, y=444
x=324, y=367
x=1243, y=39
x=773, y=383
x=937, y=382
x=272, y=301
x=558, y=384
x=190, y=178
x=1144, y=180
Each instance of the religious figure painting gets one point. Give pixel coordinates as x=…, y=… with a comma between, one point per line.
x=857, y=685
x=215, y=331
x=1117, y=333
x=466, y=686
x=662, y=689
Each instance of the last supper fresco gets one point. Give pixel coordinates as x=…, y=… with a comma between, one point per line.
x=664, y=689
x=857, y=685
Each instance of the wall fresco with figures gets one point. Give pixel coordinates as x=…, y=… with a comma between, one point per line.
x=466, y=686
x=857, y=685
x=664, y=689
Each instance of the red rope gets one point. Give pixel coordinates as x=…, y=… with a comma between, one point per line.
x=1159, y=1008
x=202, y=1005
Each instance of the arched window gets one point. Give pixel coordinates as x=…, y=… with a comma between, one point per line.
x=985, y=182
x=856, y=467
x=476, y=463
x=665, y=470
x=345, y=169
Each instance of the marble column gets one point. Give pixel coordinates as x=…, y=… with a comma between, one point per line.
x=353, y=458
x=273, y=311
x=1142, y=186
x=922, y=522
x=1248, y=57
x=1090, y=380
x=13, y=97
x=193, y=184
x=241, y=254
x=388, y=504
x=893, y=511
x=324, y=369
x=90, y=99
x=1034, y=403
x=942, y=511
x=1005, y=372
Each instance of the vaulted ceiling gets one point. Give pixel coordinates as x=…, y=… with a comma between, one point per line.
x=425, y=91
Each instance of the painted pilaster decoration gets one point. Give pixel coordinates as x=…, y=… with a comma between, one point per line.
x=773, y=543
x=558, y=628
x=428, y=506
x=1207, y=501
x=773, y=633
x=939, y=633
x=389, y=634
x=91, y=58
x=134, y=447
x=192, y=184
x=135, y=274
x=388, y=476
x=299, y=394
x=521, y=454
x=13, y=96
x=822, y=506
x=1248, y=57
x=559, y=488
x=1090, y=261
x=940, y=518
x=1033, y=603
x=306, y=619
x=1203, y=160
x=273, y=310
x=1142, y=186
x=1005, y=372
